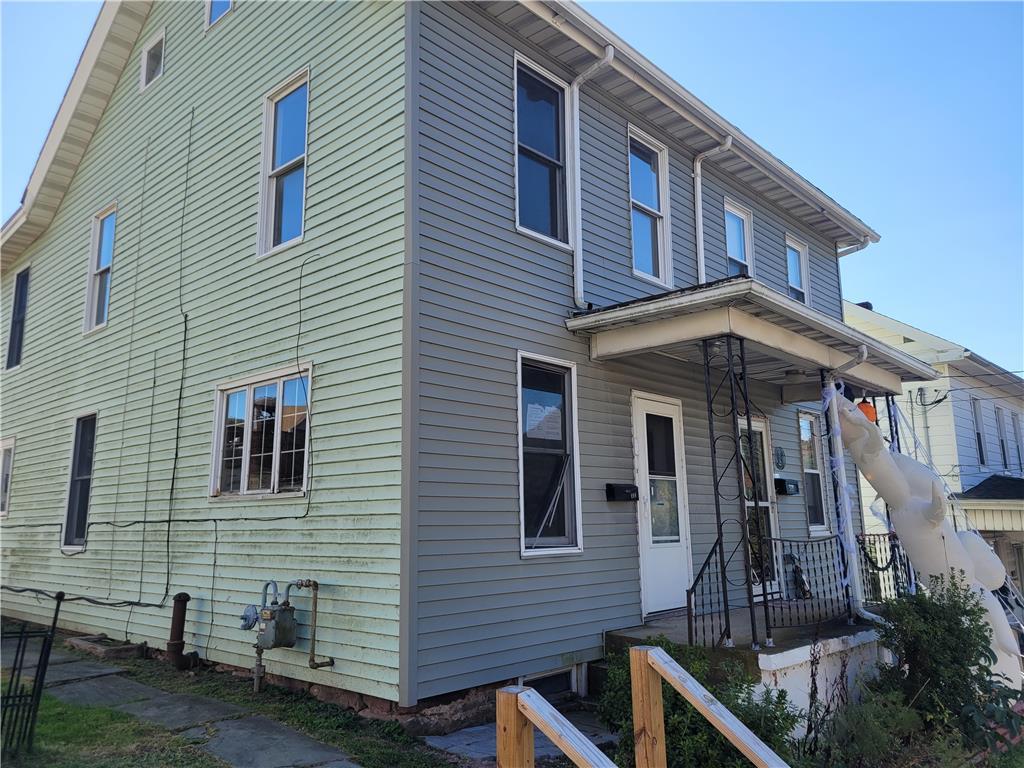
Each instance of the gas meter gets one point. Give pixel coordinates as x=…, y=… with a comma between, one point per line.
x=275, y=623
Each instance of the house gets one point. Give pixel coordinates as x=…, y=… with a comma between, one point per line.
x=966, y=423
x=411, y=299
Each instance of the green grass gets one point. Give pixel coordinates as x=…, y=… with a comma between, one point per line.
x=70, y=736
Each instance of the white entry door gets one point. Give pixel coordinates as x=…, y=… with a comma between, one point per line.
x=665, y=564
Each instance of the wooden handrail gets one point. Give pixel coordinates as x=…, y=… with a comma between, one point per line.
x=519, y=710
x=647, y=666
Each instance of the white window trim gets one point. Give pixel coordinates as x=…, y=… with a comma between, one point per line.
x=220, y=399
x=567, y=162
x=5, y=444
x=206, y=14
x=88, y=324
x=522, y=356
x=664, y=215
x=980, y=438
x=156, y=38
x=747, y=214
x=805, y=266
x=71, y=549
x=826, y=476
x=265, y=246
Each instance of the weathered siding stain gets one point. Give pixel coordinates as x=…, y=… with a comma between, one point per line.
x=197, y=255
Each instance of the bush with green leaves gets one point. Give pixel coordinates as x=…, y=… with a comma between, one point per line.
x=689, y=738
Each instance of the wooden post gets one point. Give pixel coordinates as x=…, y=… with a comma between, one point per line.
x=648, y=710
x=515, y=732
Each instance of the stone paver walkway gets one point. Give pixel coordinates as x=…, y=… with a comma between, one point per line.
x=226, y=731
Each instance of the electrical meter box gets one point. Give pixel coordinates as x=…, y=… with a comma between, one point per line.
x=276, y=627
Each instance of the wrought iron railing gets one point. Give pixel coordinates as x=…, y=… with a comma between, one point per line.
x=19, y=703
x=808, y=585
x=884, y=567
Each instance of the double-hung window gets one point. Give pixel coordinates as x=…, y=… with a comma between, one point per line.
x=797, y=268
x=262, y=436
x=979, y=429
x=541, y=196
x=1015, y=423
x=6, y=470
x=1004, y=448
x=284, y=164
x=648, y=197
x=812, y=464
x=549, y=470
x=215, y=9
x=739, y=239
x=19, y=308
x=101, y=264
x=80, y=486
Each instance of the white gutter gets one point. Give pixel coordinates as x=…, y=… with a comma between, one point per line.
x=698, y=201
x=864, y=243
x=577, y=181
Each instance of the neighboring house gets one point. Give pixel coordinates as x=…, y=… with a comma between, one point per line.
x=968, y=424
x=386, y=295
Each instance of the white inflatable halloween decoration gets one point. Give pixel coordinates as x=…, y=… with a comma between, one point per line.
x=917, y=506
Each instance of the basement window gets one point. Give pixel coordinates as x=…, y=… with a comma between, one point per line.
x=739, y=239
x=80, y=484
x=262, y=436
x=151, y=63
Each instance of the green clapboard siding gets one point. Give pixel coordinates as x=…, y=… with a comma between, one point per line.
x=196, y=254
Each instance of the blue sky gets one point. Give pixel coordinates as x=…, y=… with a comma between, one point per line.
x=909, y=114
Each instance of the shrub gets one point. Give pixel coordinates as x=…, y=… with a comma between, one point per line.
x=689, y=738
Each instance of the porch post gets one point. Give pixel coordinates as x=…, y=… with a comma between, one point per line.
x=765, y=537
x=738, y=461
x=715, y=479
x=844, y=536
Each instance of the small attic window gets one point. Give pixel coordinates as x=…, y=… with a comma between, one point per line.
x=907, y=340
x=151, y=64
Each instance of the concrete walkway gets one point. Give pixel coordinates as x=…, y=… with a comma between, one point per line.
x=226, y=731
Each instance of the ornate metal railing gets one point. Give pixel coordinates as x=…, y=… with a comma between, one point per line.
x=808, y=585
x=884, y=567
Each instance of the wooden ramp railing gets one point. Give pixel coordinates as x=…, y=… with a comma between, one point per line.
x=647, y=666
x=519, y=710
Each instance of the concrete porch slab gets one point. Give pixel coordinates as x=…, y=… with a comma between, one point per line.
x=175, y=711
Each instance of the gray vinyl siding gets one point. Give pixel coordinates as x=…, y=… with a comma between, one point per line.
x=486, y=291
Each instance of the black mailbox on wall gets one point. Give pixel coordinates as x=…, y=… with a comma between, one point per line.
x=621, y=492
x=786, y=487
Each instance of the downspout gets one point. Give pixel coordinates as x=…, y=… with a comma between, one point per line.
x=698, y=202
x=577, y=180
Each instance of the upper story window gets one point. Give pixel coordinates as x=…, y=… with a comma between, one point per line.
x=151, y=63
x=979, y=429
x=19, y=308
x=262, y=436
x=739, y=239
x=549, y=472
x=1004, y=448
x=215, y=9
x=284, y=164
x=80, y=483
x=541, y=197
x=1015, y=423
x=6, y=470
x=811, y=461
x=648, y=194
x=797, y=268
x=101, y=262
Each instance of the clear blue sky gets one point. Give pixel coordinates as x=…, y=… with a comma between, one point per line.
x=909, y=114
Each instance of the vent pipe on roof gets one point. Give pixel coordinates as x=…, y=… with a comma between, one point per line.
x=698, y=202
x=577, y=183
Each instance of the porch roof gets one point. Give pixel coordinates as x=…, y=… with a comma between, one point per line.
x=787, y=342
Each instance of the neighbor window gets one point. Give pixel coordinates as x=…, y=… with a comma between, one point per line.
x=151, y=63
x=549, y=496
x=284, y=163
x=796, y=268
x=739, y=238
x=811, y=463
x=101, y=262
x=215, y=9
x=263, y=436
x=979, y=429
x=7, y=465
x=648, y=207
x=1015, y=423
x=76, y=521
x=1004, y=449
x=540, y=159
x=19, y=308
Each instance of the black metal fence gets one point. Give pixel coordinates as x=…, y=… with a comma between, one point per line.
x=884, y=566
x=809, y=586
x=19, y=704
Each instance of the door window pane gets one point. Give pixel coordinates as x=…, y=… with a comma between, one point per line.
x=755, y=465
x=664, y=510
x=661, y=448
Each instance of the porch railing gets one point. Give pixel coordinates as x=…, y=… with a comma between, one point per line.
x=884, y=566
